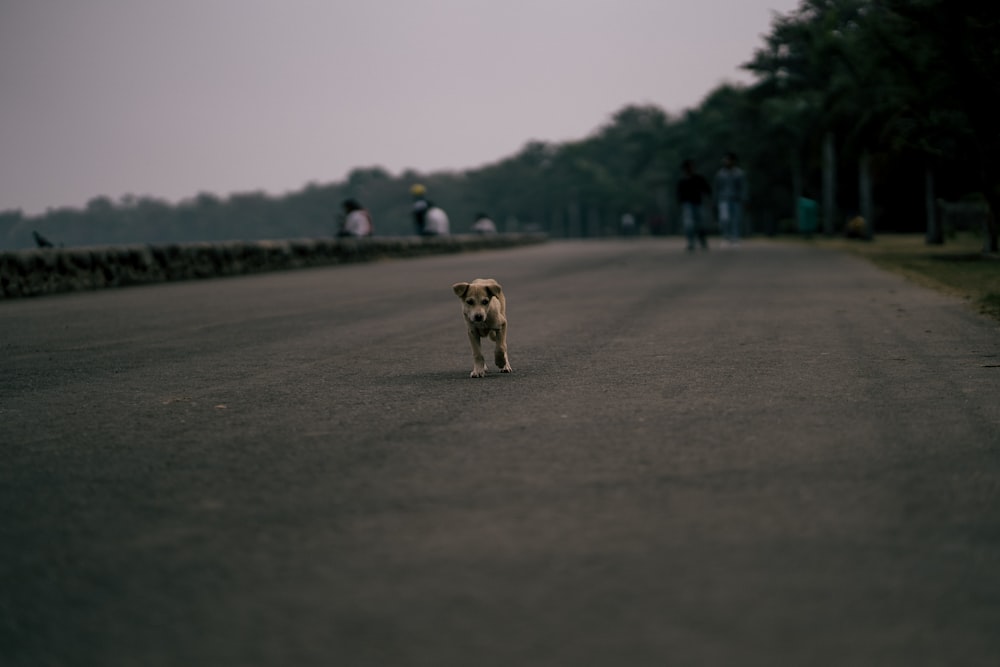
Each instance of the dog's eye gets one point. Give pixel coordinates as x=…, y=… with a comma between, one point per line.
x=486, y=302
x=471, y=302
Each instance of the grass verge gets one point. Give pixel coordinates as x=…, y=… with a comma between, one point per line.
x=958, y=267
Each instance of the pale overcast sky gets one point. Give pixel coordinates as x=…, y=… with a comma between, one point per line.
x=169, y=98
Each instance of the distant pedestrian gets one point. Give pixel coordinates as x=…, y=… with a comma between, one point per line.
x=435, y=221
x=628, y=224
x=484, y=224
x=357, y=220
x=730, y=195
x=692, y=188
x=419, y=207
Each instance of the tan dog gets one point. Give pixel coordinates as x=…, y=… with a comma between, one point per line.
x=485, y=311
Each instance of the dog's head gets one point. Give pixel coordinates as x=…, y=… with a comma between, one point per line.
x=477, y=297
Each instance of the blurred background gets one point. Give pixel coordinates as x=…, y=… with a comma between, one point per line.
x=223, y=120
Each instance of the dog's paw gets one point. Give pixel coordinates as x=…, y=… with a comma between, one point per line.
x=507, y=369
x=477, y=372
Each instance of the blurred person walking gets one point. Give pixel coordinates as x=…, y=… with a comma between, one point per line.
x=691, y=189
x=730, y=195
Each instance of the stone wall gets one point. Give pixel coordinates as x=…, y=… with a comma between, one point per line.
x=38, y=272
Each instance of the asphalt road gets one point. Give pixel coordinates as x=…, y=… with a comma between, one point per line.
x=767, y=456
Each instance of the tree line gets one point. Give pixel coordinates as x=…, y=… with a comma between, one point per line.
x=875, y=108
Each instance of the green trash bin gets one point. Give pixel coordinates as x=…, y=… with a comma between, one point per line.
x=808, y=216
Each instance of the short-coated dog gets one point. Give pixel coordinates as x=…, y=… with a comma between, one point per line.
x=485, y=310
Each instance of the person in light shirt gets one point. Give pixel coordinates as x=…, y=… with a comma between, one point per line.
x=436, y=221
x=484, y=225
x=357, y=220
x=730, y=196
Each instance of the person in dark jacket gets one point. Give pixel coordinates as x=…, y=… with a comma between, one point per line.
x=692, y=188
x=419, y=207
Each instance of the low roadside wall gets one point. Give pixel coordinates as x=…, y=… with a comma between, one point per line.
x=37, y=272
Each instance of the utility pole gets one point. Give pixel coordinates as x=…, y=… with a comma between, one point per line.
x=865, y=194
x=829, y=183
x=935, y=235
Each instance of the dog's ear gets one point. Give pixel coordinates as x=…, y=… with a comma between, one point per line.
x=493, y=288
x=460, y=289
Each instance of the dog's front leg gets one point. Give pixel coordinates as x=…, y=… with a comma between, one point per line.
x=500, y=353
x=478, y=361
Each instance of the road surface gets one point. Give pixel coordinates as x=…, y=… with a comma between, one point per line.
x=775, y=455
